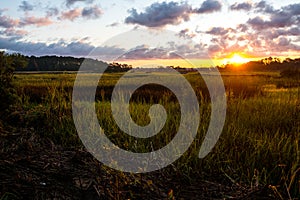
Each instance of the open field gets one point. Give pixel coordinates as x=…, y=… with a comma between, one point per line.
x=197, y=99
x=257, y=155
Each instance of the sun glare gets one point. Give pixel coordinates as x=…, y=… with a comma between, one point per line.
x=235, y=59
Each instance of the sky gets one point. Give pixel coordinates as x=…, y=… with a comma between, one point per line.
x=137, y=31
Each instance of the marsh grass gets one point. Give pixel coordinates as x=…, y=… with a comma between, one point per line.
x=259, y=144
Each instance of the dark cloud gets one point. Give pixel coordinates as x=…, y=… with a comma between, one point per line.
x=185, y=33
x=281, y=47
x=160, y=14
x=75, y=48
x=275, y=33
x=295, y=31
x=276, y=21
x=286, y=16
x=293, y=9
x=91, y=12
x=71, y=2
x=26, y=6
x=257, y=22
x=241, y=6
x=264, y=7
x=218, y=31
x=209, y=6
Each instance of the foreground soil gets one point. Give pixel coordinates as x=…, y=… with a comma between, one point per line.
x=32, y=167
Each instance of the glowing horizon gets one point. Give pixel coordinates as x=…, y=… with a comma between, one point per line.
x=234, y=58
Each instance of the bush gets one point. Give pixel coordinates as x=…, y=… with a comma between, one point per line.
x=7, y=66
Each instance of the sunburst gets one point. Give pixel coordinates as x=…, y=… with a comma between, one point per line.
x=236, y=59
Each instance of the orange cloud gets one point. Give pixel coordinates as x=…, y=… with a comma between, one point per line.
x=71, y=14
x=38, y=21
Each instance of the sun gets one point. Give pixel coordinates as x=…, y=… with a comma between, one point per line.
x=236, y=59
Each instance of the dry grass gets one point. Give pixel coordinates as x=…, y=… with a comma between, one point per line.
x=258, y=150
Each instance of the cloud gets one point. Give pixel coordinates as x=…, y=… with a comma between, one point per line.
x=284, y=17
x=26, y=6
x=275, y=33
x=145, y=53
x=264, y=36
x=264, y=7
x=91, y=12
x=276, y=21
x=160, y=14
x=171, y=51
x=7, y=22
x=283, y=42
x=71, y=2
x=75, y=48
x=257, y=22
x=295, y=31
x=190, y=51
x=88, y=13
x=113, y=24
x=71, y=14
x=185, y=34
x=241, y=6
x=214, y=48
x=37, y=21
x=293, y=9
x=209, y=6
x=52, y=12
x=11, y=32
x=169, y=13
x=217, y=31
x=242, y=28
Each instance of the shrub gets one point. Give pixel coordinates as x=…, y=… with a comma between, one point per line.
x=7, y=92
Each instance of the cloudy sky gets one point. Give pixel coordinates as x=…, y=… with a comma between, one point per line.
x=201, y=29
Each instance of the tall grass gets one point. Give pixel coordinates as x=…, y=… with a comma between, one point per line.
x=259, y=144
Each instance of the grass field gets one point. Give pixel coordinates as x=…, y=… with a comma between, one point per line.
x=259, y=145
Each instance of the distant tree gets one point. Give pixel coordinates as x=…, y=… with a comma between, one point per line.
x=267, y=61
x=288, y=60
x=277, y=60
x=270, y=60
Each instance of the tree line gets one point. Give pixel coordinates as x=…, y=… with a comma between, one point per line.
x=60, y=63
x=266, y=64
